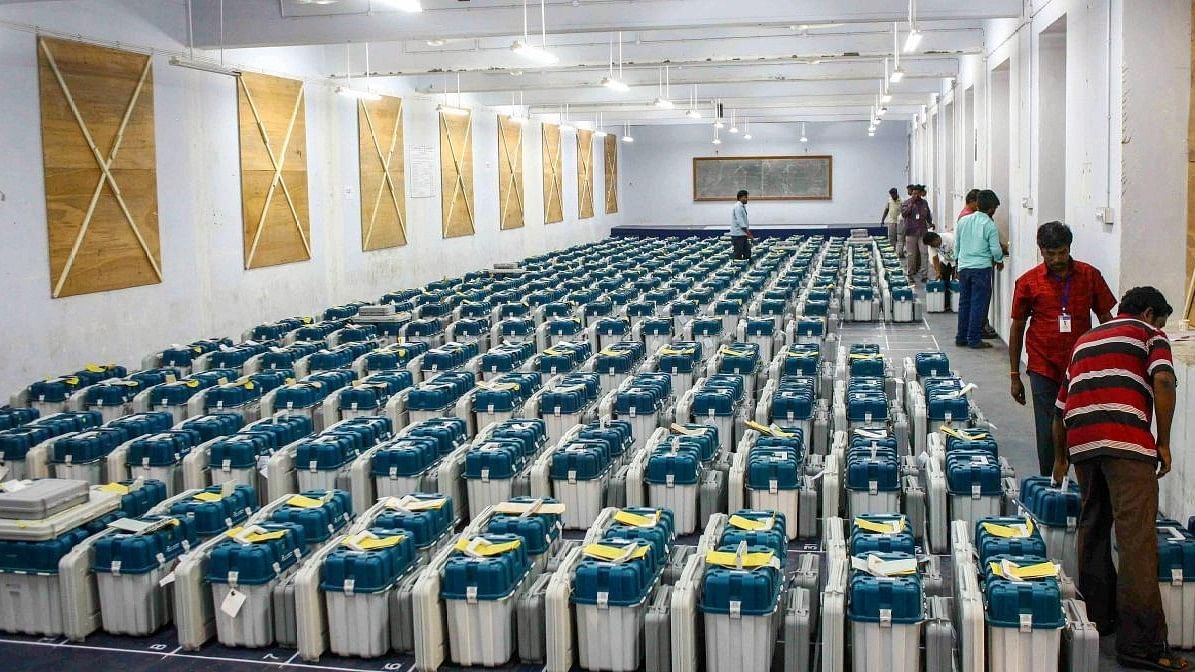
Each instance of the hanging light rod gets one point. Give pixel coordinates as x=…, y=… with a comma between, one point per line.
x=897, y=73
x=610, y=81
x=804, y=138
x=347, y=90
x=523, y=47
x=662, y=100
x=914, y=37
x=626, y=132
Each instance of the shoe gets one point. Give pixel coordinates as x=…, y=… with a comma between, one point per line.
x=960, y=344
x=982, y=345
x=1163, y=660
x=989, y=334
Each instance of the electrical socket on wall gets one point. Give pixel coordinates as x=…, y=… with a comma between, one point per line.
x=1105, y=215
x=1027, y=203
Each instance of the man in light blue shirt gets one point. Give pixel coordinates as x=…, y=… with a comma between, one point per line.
x=977, y=249
x=740, y=229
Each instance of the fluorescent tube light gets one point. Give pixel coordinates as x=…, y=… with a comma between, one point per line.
x=615, y=84
x=533, y=53
x=204, y=66
x=358, y=93
x=912, y=41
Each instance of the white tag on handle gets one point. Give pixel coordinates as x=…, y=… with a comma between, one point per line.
x=233, y=602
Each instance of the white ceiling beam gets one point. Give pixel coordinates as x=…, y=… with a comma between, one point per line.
x=259, y=23
x=396, y=58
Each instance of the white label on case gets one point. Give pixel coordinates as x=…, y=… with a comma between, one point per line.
x=233, y=602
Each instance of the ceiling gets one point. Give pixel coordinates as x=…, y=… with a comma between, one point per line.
x=765, y=60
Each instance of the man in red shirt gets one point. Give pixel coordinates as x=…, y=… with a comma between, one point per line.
x=1119, y=374
x=1056, y=298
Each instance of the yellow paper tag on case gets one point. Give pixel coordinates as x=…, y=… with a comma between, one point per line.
x=116, y=488
x=416, y=504
x=963, y=436
x=519, y=508
x=367, y=542
x=730, y=559
x=305, y=502
x=612, y=553
x=752, y=524
x=636, y=519
x=889, y=527
x=1010, y=531
x=484, y=547
x=94, y=368
x=208, y=496
x=256, y=537
x=1041, y=570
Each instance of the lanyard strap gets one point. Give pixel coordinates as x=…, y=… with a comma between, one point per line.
x=1066, y=289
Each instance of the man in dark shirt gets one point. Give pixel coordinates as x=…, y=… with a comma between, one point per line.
x=1055, y=299
x=918, y=219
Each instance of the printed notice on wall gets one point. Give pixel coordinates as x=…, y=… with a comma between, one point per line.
x=422, y=171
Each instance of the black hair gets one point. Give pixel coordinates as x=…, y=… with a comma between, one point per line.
x=1139, y=299
x=1053, y=235
x=893, y=191
x=910, y=186
x=972, y=196
x=987, y=200
x=742, y=193
x=930, y=237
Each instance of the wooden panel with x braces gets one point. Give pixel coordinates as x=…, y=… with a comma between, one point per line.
x=387, y=182
x=104, y=164
x=552, y=166
x=584, y=173
x=462, y=189
x=610, y=157
x=278, y=164
x=510, y=162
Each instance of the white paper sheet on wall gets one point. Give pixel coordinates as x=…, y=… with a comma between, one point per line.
x=421, y=171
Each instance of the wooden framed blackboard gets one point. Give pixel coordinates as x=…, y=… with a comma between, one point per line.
x=768, y=178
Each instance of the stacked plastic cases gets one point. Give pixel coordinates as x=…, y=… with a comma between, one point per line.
x=537, y=521
x=775, y=477
x=1056, y=510
x=243, y=571
x=885, y=610
x=873, y=475
x=358, y=580
x=673, y=473
x=321, y=513
x=1024, y=614
x=611, y=589
x=579, y=471
x=973, y=482
x=1176, y=581
x=479, y=584
x=427, y=518
x=741, y=594
x=130, y=564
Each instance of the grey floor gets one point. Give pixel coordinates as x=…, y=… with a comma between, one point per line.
x=988, y=369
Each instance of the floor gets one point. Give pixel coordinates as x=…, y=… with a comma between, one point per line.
x=988, y=369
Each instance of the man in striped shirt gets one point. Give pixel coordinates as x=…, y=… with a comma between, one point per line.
x=1121, y=376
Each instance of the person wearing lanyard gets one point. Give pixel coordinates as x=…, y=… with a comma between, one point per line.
x=1054, y=300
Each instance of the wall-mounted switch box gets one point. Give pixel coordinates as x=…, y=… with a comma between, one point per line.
x=1027, y=203
x=1105, y=215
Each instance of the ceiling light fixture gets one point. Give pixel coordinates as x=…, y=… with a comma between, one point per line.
x=734, y=127
x=564, y=123
x=747, y=128
x=348, y=90
x=436, y=43
x=610, y=81
x=693, y=113
x=601, y=123
x=409, y=6
x=626, y=132
x=203, y=66
x=885, y=96
x=914, y=37
x=539, y=54
x=897, y=73
x=662, y=101
x=458, y=109
x=804, y=138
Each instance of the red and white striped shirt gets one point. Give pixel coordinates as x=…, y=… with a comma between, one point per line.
x=1106, y=398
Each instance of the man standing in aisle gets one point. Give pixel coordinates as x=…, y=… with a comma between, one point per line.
x=970, y=202
x=740, y=228
x=1120, y=376
x=891, y=219
x=917, y=219
x=978, y=250
x=1056, y=299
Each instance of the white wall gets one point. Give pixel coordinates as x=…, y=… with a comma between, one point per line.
x=206, y=290
x=658, y=172
x=1126, y=96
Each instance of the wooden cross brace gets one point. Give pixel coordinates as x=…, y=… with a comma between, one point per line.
x=387, y=179
x=105, y=165
x=277, y=165
x=458, y=187
x=512, y=184
x=554, y=170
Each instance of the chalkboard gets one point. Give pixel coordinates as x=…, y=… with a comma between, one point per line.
x=768, y=178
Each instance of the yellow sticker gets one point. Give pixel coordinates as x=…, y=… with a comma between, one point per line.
x=1010, y=531
x=613, y=553
x=730, y=559
x=304, y=502
x=963, y=436
x=197, y=349
x=413, y=504
x=866, y=355
x=191, y=383
x=94, y=368
x=258, y=537
x=752, y=524
x=248, y=385
x=116, y=488
x=1010, y=570
x=366, y=542
x=887, y=527
x=208, y=496
x=636, y=519
x=71, y=380
x=484, y=547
